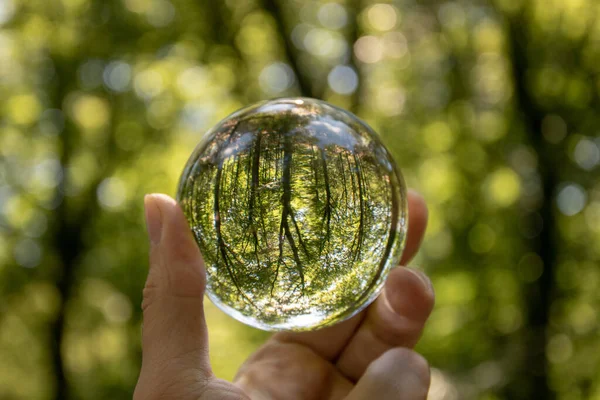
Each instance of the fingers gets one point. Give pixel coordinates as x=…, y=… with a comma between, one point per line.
x=330, y=341
x=290, y=371
x=396, y=319
x=417, y=222
x=399, y=374
x=174, y=336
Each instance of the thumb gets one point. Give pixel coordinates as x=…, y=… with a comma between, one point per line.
x=174, y=337
x=399, y=374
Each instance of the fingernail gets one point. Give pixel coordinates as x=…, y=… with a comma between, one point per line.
x=423, y=278
x=153, y=219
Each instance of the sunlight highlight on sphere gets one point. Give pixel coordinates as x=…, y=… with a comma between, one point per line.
x=299, y=211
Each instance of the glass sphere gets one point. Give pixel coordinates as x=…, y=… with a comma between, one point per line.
x=299, y=212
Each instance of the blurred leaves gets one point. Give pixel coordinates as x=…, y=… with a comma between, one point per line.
x=489, y=107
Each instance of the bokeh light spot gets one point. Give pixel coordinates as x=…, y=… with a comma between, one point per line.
x=438, y=136
x=491, y=126
x=382, y=17
x=276, y=78
x=586, y=154
x=137, y=6
x=161, y=13
x=148, y=83
x=90, y=73
x=583, y=317
x=37, y=225
x=192, y=82
x=503, y=187
x=343, y=79
x=554, y=128
x=439, y=178
x=332, y=15
x=442, y=387
x=299, y=34
x=368, y=49
x=452, y=15
x=559, y=348
x=530, y=267
x=524, y=159
x=52, y=122
x=592, y=216
x=47, y=173
x=324, y=43
x=482, y=238
x=197, y=116
x=117, y=308
x=489, y=374
x=456, y=288
x=28, y=253
x=395, y=45
x=7, y=10
x=24, y=109
x=117, y=76
x=390, y=100
x=90, y=112
x=112, y=193
x=440, y=245
x=507, y=319
x=571, y=199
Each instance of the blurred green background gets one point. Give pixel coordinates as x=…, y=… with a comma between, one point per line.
x=491, y=108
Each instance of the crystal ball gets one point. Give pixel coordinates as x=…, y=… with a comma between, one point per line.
x=299, y=212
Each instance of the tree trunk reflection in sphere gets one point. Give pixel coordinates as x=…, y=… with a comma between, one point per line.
x=299, y=212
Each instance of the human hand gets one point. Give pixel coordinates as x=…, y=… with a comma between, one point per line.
x=365, y=357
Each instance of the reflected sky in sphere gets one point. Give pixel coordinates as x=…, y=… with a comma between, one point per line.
x=299, y=211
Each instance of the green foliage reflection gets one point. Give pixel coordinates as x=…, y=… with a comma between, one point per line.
x=299, y=213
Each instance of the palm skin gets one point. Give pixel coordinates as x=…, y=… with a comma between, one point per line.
x=365, y=357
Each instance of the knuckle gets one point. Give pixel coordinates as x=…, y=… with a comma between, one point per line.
x=150, y=292
x=396, y=329
x=148, y=297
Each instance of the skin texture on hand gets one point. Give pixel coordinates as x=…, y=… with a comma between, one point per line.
x=366, y=357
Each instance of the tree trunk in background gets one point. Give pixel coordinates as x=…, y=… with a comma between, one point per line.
x=539, y=294
x=67, y=232
x=305, y=86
